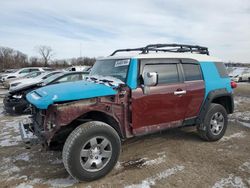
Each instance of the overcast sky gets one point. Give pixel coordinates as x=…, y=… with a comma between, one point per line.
x=97, y=27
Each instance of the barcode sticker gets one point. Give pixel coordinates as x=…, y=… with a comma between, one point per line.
x=120, y=63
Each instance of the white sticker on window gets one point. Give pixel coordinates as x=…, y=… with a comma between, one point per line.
x=120, y=63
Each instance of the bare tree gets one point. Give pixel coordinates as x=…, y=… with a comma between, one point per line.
x=46, y=52
x=10, y=58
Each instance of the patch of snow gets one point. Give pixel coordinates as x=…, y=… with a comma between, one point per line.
x=161, y=153
x=12, y=141
x=9, y=133
x=57, y=161
x=235, y=135
x=60, y=182
x=23, y=157
x=10, y=170
x=118, y=166
x=231, y=181
x=66, y=182
x=24, y=185
x=156, y=161
x=151, y=181
x=245, y=124
x=245, y=167
x=240, y=100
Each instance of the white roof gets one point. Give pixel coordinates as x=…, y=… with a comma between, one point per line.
x=160, y=55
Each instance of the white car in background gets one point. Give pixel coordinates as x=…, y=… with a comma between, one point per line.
x=34, y=80
x=6, y=83
x=244, y=77
x=22, y=72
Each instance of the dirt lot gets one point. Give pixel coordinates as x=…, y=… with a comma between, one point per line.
x=174, y=158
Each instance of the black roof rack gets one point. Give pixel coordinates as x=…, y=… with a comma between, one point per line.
x=177, y=48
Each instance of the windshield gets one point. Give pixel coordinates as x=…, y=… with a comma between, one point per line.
x=112, y=68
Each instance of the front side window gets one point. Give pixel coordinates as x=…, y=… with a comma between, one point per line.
x=167, y=73
x=191, y=72
x=111, y=67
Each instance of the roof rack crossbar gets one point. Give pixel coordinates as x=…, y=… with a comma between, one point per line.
x=127, y=50
x=178, y=48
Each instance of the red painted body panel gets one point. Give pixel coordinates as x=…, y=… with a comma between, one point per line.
x=160, y=106
x=194, y=97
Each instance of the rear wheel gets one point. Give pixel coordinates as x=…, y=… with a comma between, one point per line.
x=91, y=151
x=215, y=123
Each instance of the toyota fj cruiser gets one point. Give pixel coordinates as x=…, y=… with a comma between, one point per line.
x=163, y=86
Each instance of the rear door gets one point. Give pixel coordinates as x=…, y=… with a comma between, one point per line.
x=195, y=87
x=163, y=106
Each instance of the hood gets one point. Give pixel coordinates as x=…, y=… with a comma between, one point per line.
x=24, y=83
x=69, y=91
x=25, y=88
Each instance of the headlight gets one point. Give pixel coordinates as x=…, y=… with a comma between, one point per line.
x=17, y=96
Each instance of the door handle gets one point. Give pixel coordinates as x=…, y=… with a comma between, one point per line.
x=183, y=92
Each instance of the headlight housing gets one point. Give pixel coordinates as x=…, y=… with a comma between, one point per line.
x=17, y=96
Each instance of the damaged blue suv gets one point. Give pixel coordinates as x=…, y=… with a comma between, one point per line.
x=127, y=95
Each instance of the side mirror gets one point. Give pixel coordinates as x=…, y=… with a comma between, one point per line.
x=150, y=78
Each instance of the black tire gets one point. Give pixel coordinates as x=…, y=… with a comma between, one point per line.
x=79, y=139
x=209, y=132
x=240, y=79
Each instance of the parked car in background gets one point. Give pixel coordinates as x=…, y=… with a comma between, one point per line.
x=6, y=83
x=22, y=72
x=16, y=103
x=235, y=78
x=8, y=71
x=162, y=86
x=32, y=80
x=245, y=77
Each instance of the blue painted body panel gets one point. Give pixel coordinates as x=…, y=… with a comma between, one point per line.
x=45, y=96
x=212, y=78
x=132, y=74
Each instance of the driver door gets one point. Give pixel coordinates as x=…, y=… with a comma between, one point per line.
x=163, y=105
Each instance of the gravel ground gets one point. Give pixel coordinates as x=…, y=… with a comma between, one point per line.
x=174, y=158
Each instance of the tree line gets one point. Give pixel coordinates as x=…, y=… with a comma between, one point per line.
x=14, y=59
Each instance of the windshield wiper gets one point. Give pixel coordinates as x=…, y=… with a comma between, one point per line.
x=107, y=81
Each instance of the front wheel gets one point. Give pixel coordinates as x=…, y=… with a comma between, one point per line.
x=215, y=123
x=91, y=151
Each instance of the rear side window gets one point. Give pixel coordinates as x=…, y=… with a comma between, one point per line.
x=191, y=72
x=167, y=73
x=32, y=70
x=221, y=69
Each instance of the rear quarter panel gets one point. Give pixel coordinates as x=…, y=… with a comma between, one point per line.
x=212, y=78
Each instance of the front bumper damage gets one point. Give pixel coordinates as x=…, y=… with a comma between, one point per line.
x=27, y=132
